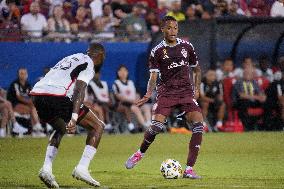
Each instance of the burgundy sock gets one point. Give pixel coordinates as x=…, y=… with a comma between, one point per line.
x=150, y=135
x=195, y=143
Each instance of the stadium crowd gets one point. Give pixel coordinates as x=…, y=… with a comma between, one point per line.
x=115, y=20
x=251, y=95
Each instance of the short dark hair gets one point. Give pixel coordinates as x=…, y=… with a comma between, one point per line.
x=120, y=67
x=105, y=4
x=228, y=59
x=95, y=48
x=167, y=18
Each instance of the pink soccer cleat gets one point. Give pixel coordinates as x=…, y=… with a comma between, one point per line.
x=189, y=173
x=133, y=160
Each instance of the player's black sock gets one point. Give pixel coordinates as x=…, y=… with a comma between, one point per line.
x=150, y=135
x=195, y=143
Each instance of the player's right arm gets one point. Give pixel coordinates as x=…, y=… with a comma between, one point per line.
x=78, y=98
x=84, y=77
x=150, y=87
x=152, y=82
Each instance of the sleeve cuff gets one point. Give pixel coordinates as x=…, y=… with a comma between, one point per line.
x=194, y=65
x=154, y=70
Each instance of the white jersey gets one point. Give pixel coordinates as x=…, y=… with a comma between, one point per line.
x=101, y=93
x=127, y=89
x=61, y=79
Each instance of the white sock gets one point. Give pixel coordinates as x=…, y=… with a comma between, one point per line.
x=2, y=132
x=87, y=156
x=188, y=167
x=51, y=152
x=37, y=127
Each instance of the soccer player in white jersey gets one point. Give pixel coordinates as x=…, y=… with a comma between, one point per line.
x=58, y=98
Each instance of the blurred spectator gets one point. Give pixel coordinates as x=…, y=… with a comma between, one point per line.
x=122, y=5
x=208, y=5
x=235, y=10
x=96, y=8
x=152, y=4
x=274, y=113
x=58, y=26
x=134, y=25
x=187, y=3
x=176, y=11
x=244, y=6
x=100, y=99
x=206, y=16
x=81, y=3
x=43, y=4
x=258, y=8
x=81, y=25
x=190, y=13
x=106, y=22
x=246, y=95
x=222, y=9
x=11, y=11
x=7, y=115
x=265, y=68
x=18, y=95
x=9, y=24
x=247, y=62
x=277, y=9
x=226, y=70
x=54, y=3
x=211, y=97
x=34, y=23
x=125, y=92
x=152, y=21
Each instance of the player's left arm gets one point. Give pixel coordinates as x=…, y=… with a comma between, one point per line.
x=197, y=80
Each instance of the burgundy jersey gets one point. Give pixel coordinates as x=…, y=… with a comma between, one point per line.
x=173, y=64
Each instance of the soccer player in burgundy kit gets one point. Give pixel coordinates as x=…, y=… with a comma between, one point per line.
x=171, y=60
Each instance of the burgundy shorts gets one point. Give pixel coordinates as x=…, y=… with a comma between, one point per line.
x=165, y=105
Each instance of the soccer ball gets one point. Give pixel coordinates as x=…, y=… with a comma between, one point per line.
x=171, y=169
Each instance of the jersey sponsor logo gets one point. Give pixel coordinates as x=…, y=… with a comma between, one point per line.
x=165, y=54
x=178, y=64
x=64, y=64
x=195, y=102
x=184, y=52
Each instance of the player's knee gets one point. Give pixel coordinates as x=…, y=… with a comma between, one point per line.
x=197, y=127
x=156, y=127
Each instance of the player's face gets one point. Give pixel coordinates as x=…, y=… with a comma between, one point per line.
x=170, y=31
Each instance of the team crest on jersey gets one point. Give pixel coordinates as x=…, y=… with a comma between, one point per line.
x=165, y=54
x=184, y=52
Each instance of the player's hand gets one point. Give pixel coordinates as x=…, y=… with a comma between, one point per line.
x=196, y=93
x=71, y=126
x=142, y=101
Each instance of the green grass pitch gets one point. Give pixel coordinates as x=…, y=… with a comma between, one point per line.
x=247, y=160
